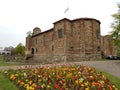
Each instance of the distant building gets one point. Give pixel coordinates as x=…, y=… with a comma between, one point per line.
x=2, y=51
x=68, y=40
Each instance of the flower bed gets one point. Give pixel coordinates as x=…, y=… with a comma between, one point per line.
x=61, y=77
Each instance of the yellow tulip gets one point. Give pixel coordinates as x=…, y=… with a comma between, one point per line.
x=82, y=85
x=76, y=81
x=30, y=82
x=27, y=88
x=86, y=84
x=48, y=86
x=87, y=88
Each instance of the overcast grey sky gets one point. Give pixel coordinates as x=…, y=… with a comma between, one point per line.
x=20, y=16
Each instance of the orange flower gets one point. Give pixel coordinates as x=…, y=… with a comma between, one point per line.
x=57, y=76
x=21, y=83
x=56, y=86
x=110, y=88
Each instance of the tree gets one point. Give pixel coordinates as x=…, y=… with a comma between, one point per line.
x=116, y=27
x=29, y=33
x=19, y=49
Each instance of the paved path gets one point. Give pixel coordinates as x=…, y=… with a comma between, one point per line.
x=110, y=66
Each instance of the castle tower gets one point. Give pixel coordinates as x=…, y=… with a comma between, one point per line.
x=36, y=31
x=29, y=47
x=83, y=39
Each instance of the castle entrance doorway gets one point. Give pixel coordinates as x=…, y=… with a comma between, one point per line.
x=32, y=51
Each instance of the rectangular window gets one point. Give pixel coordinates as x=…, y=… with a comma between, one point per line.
x=60, y=33
x=36, y=40
x=52, y=48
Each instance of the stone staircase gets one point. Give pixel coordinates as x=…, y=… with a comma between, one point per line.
x=34, y=59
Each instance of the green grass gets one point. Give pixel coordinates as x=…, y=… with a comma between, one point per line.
x=2, y=63
x=5, y=84
x=113, y=79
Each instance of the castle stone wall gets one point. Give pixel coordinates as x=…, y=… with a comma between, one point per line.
x=68, y=40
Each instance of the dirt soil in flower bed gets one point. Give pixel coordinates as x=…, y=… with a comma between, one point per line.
x=110, y=66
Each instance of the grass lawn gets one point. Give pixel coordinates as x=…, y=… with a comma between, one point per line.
x=113, y=79
x=5, y=84
x=2, y=63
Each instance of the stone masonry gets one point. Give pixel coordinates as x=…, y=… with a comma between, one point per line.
x=107, y=46
x=68, y=40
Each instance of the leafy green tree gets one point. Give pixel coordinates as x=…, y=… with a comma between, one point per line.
x=29, y=33
x=19, y=49
x=116, y=27
x=118, y=51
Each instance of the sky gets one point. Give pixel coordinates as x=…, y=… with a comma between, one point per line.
x=17, y=17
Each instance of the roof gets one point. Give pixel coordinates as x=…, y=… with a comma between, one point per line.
x=42, y=32
x=62, y=20
x=67, y=20
x=86, y=18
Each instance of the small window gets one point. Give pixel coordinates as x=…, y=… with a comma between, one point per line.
x=36, y=41
x=98, y=48
x=52, y=48
x=60, y=33
x=71, y=47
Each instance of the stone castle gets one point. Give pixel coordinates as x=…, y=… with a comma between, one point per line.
x=69, y=40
